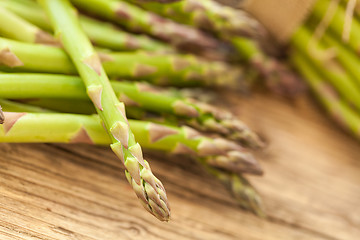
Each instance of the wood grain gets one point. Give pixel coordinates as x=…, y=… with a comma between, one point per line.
x=311, y=188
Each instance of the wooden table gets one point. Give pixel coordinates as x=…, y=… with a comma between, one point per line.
x=311, y=188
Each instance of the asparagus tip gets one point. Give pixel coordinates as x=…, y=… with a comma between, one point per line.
x=237, y=161
x=246, y=195
x=157, y=203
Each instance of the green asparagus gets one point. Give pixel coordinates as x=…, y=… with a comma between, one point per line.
x=244, y=193
x=136, y=19
x=147, y=187
x=344, y=115
x=197, y=114
x=14, y=106
x=330, y=69
x=162, y=69
x=238, y=28
x=68, y=106
x=73, y=128
x=243, y=135
x=337, y=23
x=209, y=15
x=102, y=34
x=278, y=76
x=348, y=59
x=12, y=26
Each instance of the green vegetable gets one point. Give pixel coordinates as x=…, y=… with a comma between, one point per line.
x=147, y=187
x=162, y=69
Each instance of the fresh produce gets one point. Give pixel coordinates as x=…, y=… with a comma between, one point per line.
x=340, y=111
x=74, y=128
x=147, y=187
x=329, y=62
x=238, y=28
x=337, y=76
x=16, y=28
x=243, y=192
x=208, y=15
x=277, y=75
x=138, y=20
x=161, y=69
x=101, y=34
x=62, y=93
x=200, y=115
x=336, y=25
x=241, y=189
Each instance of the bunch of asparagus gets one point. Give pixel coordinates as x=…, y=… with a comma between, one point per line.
x=329, y=61
x=55, y=87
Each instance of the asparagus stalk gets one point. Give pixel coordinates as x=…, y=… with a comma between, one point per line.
x=241, y=189
x=330, y=69
x=162, y=69
x=224, y=21
x=344, y=115
x=197, y=114
x=244, y=135
x=74, y=128
x=13, y=26
x=337, y=23
x=136, y=19
x=84, y=107
x=348, y=59
x=278, y=76
x=67, y=106
x=102, y=34
x=147, y=187
x=13, y=106
x=238, y=28
x=244, y=193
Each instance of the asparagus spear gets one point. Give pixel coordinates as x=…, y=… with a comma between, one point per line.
x=330, y=69
x=85, y=107
x=337, y=23
x=73, y=128
x=348, y=59
x=197, y=114
x=344, y=115
x=238, y=28
x=147, y=187
x=15, y=27
x=68, y=106
x=243, y=192
x=102, y=34
x=136, y=19
x=277, y=75
x=162, y=69
x=244, y=135
x=13, y=106
x=224, y=21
